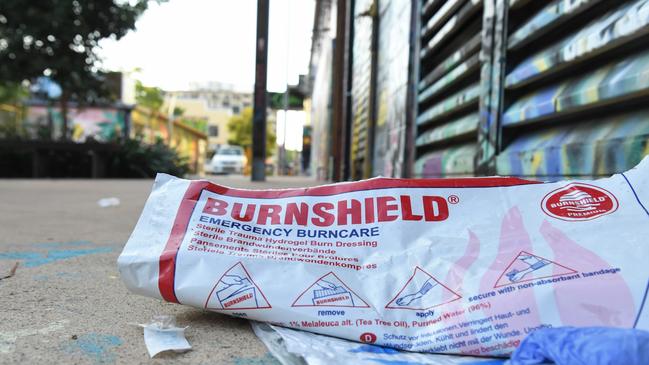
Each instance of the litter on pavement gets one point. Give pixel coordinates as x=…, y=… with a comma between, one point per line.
x=162, y=334
x=8, y=270
x=454, y=266
x=108, y=202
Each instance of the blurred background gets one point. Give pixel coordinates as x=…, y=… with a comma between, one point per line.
x=354, y=88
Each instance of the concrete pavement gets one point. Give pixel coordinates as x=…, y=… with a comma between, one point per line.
x=66, y=303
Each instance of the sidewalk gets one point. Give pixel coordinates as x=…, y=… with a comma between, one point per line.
x=66, y=303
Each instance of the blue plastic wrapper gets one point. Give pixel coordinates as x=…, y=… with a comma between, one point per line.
x=584, y=346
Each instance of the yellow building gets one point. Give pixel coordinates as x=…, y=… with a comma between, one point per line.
x=187, y=141
x=214, y=105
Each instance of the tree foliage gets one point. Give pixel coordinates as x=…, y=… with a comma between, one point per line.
x=12, y=92
x=240, y=128
x=135, y=158
x=11, y=113
x=149, y=97
x=196, y=123
x=178, y=111
x=59, y=38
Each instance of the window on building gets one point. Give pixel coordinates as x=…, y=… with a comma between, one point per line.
x=230, y=151
x=236, y=109
x=213, y=130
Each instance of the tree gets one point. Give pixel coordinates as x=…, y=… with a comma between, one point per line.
x=240, y=128
x=59, y=39
x=195, y=122
x=150, y=97
x=11, y=114
x=12, y=93
x=178, y=111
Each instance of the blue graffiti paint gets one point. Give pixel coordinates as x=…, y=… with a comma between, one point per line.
x=64, y=274
x=374, y=350
x=267, y=359
x=19, y=256
x=56, y=255
x=34, y=259
x=96, y=346
x=58, y=244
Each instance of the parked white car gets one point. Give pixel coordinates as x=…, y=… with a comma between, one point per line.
x=227, y=159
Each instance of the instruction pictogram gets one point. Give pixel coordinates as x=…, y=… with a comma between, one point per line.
x=236, y=290
x=528, y=267
x=329, y=291
x=421, y=292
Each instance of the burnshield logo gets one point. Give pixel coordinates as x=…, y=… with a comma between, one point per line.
x=379, y=209
x=579, y=202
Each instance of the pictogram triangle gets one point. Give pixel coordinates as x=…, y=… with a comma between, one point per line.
x=528, y=267
x=236, y=290
x=329, y=291
x=421, y=292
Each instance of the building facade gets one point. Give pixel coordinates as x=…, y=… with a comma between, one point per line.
x=212, y=102
x=443, y=88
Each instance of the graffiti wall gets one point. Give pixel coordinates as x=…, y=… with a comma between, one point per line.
x=631, y=19
x=102, y=124
x=592, y=121
x=454, y=161
x=537, y=89
x=321, y=115
x=149, y=126
x=587, y=149
x=562, y=89
x=450, y=87
x=391, y=84
x=615, y=80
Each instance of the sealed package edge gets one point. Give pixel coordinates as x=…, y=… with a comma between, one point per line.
x=459, y=266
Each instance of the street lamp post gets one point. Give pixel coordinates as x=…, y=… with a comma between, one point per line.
x=259, y=107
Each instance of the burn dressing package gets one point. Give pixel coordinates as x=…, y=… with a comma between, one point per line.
x=460, y=266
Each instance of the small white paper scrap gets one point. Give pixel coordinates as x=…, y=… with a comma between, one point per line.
x=161, y=334
x=108, y=202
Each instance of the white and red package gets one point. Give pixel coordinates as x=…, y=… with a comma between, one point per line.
x=461, y=266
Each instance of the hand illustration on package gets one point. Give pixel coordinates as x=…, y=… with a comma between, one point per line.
x=407, y=299
x=422, y=292
x=236, y=290
x=526, y=267
x=330, y=290
x=233, y=285
x=534, y=263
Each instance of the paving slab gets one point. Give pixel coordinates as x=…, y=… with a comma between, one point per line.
x=65, y=303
